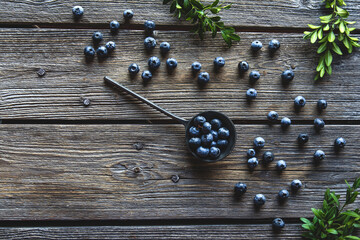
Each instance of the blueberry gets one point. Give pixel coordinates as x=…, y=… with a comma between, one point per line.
x=215, y=135
x=213, y=143
x=278, y=224
x=149, y=26
x=194, y=132
x=240, y=188
x=102, y=52
x=272, y=116
x=254, y=76
x=281, y=165
x=319, y=155
x=78, y=11
x=222, y=143
x=194, y=142
x=146, y=76
x=259, y=142
x=287, y=75
x=223, y=133
x=285, y=122
x=319, y=123
x=128, y=14
x=283, y=194
x=303, y=138
x=203, y=78
x=340, y=142
x=110, y=46
x=164, y=47
x=114, y=26
x=196, y=66
x=268, y=157
x=299, y=101
x=259, y=199
x=134, y=68
x=214, y=152
x=274, y=45
x=216, y=124
x=253, y=162
x=89, y=51
x=250, y=153
x=202, y=152
x=296, y=185
x=243, y=66
x=171, y=63
x=199, y=121
x=207, y=139
x=97, y=37
x=251, y=93
x=206, y=128
x=154, y=63
x=321, y=104
x=256, y=45
x=150, y=43
x=219, y=62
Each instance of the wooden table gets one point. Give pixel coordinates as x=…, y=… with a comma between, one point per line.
x=105, y=171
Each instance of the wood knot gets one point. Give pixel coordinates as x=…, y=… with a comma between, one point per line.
x=137, y=169
x=138, y=146
x=175, y=178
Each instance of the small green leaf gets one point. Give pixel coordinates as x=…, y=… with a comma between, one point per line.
x=328, y=58
x=234, y=37
x=336, y=48
x=216, y=19
x=331, y=231
x=313, y=26
x=197, y=4
x=322, y=72
x=342, y=27
x=331, y=36
x=342, y=12
x=215, y=10
x=178, y=6
x=352, y=238
x=346, y=42
x=313, y=37
x=305, y=220
x=327, y=17
x=320, y=33
x=326, y=28
x=322, y=48
x=215, y=3
x=351, y=214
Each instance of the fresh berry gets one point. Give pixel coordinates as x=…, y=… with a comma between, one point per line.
x=196, y=66
x=274, y=45
x=146, y=76
x=319, y=123
x=194, y=143
x=102, y=52
x=253, y=162
x=251, y=93
x=272, y=116
x=299, y=101
x=199, y=121
x=250, y=153
x=128, y=14
x=259, y=142
x=321, y=104
x=240, y=188
x=203, y=78
x=219, y=62
x=149, y=26
x=285, y=122
x=303, y=138
x=222, y=143
x=150, y=43
x=134, y=68
x=259, y=199
x=97, y=37
x=216, y=124
x=223, y=133
x=281, y=165
x=214, y=152
x=268, y=157
x=154, y=63
x=340, y=142
x=296, y=185
x=278, y=224
x=194, y=132
x=243, y=66
x=207, y=139
x=256, y=45
x=283, y=194
x=114, y=26
x=78, y=11
x=287, y=75
x=254, y=76
x=213, y=143
x=215, y=135
x=171, y=63
x=164, y=47
x=202, y=152
x=110, y=46
x=319, y=155
x=206, y=128
x=89, y=51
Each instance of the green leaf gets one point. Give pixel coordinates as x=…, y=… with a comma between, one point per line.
x=317, y=211
x=320, y=33
x=215, y=10
x=326, y=28
x=197, y=4
x=332, y=194
x=305, y=220
x=178, y=6
x=327, y=17
x=322, y=72
x=215, y=3
x=323, y=235
x=321, y=63
x=331, y=36
x=342, y=12
x=328, y=58
x=313, y=26
x=322, y=48
x=234, y=37
x=331, y=231
x=216, y=19
x=313, y=37
x=336, y=48
x=342, y=27
x=351, y=214
x=352, y=238
x=346, y=42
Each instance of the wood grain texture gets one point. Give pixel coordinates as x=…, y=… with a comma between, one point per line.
x=238, y=231
x=57, y=95
x=75, y=172
x=247, y=13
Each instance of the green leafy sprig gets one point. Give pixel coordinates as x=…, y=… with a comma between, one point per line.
x=331, y=221
x=204, y=17
x=332, y=26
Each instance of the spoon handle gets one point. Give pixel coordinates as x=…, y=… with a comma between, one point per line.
x=144, y=100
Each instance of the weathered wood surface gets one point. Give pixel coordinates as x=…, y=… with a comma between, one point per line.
x=247, y=13
x=57, y=95
x=237, y=231
x=57, y=172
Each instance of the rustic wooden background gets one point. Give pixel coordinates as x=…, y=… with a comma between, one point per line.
x=104, y=171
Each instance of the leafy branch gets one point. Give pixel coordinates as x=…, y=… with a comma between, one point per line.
x=331, y=221
x=198, y=14
x=332, y=26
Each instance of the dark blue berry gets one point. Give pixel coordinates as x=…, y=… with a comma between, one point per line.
x=283, y=194
x=321, y=104
x=102, y=52
x=146, y=76
x=340, y=142
x=250, y=153
x=194, y=143
x=303, y=138
x=299, y=101
x=219, y=62
x=287, y=75
x=78, y=11
x=149, y=26
x=272, y=116
x=203, y=78
x=259, y=199
x=213, y=143
x=216, y=124
x=194, y=132
x=285, y=122
x=278, y=224
x=164, y=47
x=268, y=157
x=251, y=93
x=89, y=51
x=319, y=123
x=114, y=26
x=196, y=66
x=214, y=152
x=254, y=76
x=223, y=133
x=171, y=63
x=259, y=142
x=134, y=68
x=240, y=188
x=97, y=37
x=154, y=63
x=110, y=46
x=202, y=152
x=150, y=43
x=206, y=128
x=281, y=165
x=199, y=121
x=296, y=185
x=215, y=135
x=252, y=162
x=274, y=45
x=243, y=66
x=256, y=45
x=128, y=14
x=319, y=155
x=207, y=139
x=222, y=144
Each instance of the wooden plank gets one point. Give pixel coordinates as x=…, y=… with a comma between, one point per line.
x=247, y=13
x=77, y=172
x=57, y=95
x=236, y=231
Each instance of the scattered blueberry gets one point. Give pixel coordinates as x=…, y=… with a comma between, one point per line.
x=250, y=153
x=128, y=14
x=340, y=142
x=283, y=194
x=154, y=63
x=321, y=104
x=110, y=46
x=196, y=66
x=222, y=143
x=259, y=199
x=102, y=52
x=303, y=138
x=219, y=62
x=319, y=155
x=213, y=143
x=243, y=66
x=171, y=63
x=285, y=122
x=278, y=224
x=114, y=26
x=194, y=131
x=97, y=37
x=319, y=123
x=296, y=184
x=150, y=43
x=206, y=128
x=274, y=45
x=78, y=11
x=146, y=76
x=134, y=68
x=149, y=26
x=216, y=124
x=272, y=116
x=299, y=101
x=240, y=188
x=251, y=93
x=281, y=165
x=89, y=51
x=259, y=142
x=214, y=152
x=215, y=135
x=287, y=75
x=254, y=76
x=256, y=45
x=164, y=47
x=194, y=142
x=253, y=162
x=207, y=139
x=268, y=157
x=202, y=152
x=223, y=133
x=199, y=121
x=203, y=78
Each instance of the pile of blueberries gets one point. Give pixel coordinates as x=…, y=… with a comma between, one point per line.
x=208, y=139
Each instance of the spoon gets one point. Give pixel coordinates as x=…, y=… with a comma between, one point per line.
x=226, y=122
